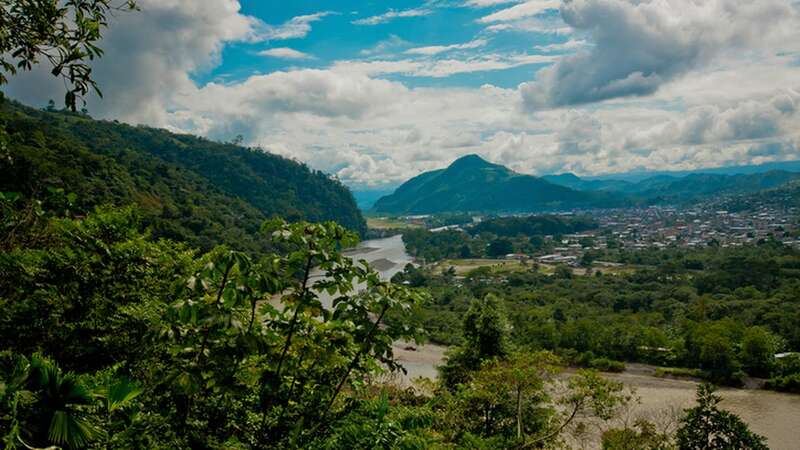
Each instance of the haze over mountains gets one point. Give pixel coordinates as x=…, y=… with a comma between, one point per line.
x=473, y=184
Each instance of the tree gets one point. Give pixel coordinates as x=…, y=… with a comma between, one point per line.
x=485, y=331
x=758, y=351
x=46, y=406
x=289, y=362
x=706, y=427
x=500, y=247
x=63, y=33
x=643, y=436
x=486, y=328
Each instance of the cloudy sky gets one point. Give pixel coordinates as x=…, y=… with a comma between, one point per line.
x=377, y=91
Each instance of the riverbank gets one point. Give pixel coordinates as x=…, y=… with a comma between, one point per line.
x=660, y=400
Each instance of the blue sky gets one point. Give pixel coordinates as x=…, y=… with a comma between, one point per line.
x=340, y=36
x=375, y=92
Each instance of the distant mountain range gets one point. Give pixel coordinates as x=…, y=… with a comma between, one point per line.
x=473, y=184
x=680, y=189
x=637, y=176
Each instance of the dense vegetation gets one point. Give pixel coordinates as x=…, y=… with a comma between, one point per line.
x=472, y=184
x=112, y=336
x=187, y=188
x=724, y=311
x=111, y=339
x=492, y=238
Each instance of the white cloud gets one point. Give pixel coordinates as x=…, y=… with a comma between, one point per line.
x=149, y=56
x=285, y=53
x=568, y=46
x=641, y=45
x=393, y=14
x=436, y=49
x=486, y=3
x=523, y=10
x=440, y=68
x=391, y=44
x=296, y=28
x=348, y=121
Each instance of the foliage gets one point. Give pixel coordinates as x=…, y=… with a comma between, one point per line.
x=485, y=335
x=495, y=237
x=191, y=342
x=65, y=34
x=707, y=427
x=653, y=314
x=188, y=189
x=642, y=436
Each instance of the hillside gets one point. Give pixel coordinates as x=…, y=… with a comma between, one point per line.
x=681, y=189
x=187, y=188
x=574, y=182
x=473, y=184
x=784, y=197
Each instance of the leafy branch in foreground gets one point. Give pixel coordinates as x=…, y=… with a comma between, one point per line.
x=65, y=33
x=289, y=332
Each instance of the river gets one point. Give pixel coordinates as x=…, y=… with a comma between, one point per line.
x=771, y=414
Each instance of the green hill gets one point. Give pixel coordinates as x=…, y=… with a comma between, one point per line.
x=188, y=188
x=669, y=189
x=473, y=184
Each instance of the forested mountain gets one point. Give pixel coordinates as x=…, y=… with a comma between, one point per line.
x=573, y=181
x=700, y=186
x=473, y=184
x=680, y=189
x=187, y=188
x=783, y=197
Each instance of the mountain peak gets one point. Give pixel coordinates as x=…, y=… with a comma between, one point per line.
x=472, y=161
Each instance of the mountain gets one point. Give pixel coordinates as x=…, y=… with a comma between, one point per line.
x=366, y=198
x=635, y=177
x=187, y=188
x=783, y=197
x=572, y=181
x=680, y=189
x=699, y=186
x=473, y=184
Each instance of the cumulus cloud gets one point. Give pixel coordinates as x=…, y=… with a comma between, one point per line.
x=354, y=120
x=747, y=121
x=285, y=53
x=639, y=45
x=150, y=55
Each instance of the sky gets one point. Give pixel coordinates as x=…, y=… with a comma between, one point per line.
x=376, y=92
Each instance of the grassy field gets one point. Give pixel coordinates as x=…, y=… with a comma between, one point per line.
x=387, y=223
x=463, y=266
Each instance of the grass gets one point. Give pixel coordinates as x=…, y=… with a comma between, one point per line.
x=680, y=372
x=388, y=223
x=464, y=266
